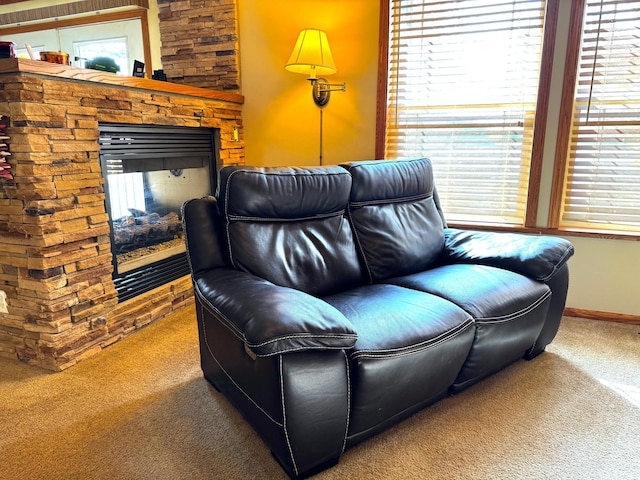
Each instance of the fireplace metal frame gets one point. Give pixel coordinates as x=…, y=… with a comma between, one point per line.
x=126, y=148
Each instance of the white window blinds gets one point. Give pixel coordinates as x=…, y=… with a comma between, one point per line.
x=462, y=90
x=602, y=188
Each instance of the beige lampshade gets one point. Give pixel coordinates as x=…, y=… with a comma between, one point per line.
x=311, y=54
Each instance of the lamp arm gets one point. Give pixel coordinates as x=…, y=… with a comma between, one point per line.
x=323, y=86
x=333, y=87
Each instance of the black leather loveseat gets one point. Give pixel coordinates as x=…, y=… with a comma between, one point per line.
x=333, y=302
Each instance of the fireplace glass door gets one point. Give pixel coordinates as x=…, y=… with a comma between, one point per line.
x=149, y=173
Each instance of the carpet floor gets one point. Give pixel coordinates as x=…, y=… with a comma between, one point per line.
x=142, y=410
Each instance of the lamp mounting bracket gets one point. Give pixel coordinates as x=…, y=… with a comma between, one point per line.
x=321, y=90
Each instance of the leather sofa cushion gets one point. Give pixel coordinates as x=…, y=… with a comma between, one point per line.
x=482, y=291
x=396, y=220
x=509, y=310
x=288, y=225
x=391, y=320
x=410, y=347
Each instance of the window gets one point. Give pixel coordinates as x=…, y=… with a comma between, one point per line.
x=122, y=36
x=597, y=184
x=462, y=89
x=114, y=48
x=126, y=191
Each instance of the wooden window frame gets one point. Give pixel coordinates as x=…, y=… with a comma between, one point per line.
x=570, y=78
x=542, y=107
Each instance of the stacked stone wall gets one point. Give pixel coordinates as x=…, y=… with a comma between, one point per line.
x=200, y=43
x=55, y=249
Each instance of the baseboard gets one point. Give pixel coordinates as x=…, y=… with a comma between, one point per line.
x=607, y=316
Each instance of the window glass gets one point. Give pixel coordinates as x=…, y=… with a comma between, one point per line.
x=602, y=177
x=119, y=40
x=113, y=48
x=462, y=90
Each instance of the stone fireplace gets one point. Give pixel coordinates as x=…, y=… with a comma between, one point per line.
x=56, y=252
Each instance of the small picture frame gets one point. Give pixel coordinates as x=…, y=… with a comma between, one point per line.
x=138, y=69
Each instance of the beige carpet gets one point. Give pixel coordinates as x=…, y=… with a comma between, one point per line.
x=142, y=410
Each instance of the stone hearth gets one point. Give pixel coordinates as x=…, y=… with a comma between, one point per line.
x=55, y=250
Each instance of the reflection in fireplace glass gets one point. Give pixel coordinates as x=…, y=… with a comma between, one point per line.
x=145, y=208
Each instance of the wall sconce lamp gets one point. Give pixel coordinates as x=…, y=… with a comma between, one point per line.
x=311, y=56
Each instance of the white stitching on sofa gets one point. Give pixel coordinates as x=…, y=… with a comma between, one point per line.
x=346, y=430
x=514, y=315
x=560, y=263
x=392, y=201
x=322, y=216
x=226, y=218
x=284, y=416
x=415, y=348
x=305, y=335
x=218, y=314
x=232, y=327
x=297, y=349
x=300, y=173
x=229, y=376
x=186, y=237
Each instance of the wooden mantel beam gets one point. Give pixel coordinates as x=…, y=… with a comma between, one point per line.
x=19, y=65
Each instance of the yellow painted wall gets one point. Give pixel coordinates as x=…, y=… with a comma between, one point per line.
x=281, y=122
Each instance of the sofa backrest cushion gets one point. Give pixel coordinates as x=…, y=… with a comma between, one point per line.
x=289, y=226
x=395, y=215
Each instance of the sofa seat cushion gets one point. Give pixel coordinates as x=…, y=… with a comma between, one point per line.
x=410, y=348
x=509, y=310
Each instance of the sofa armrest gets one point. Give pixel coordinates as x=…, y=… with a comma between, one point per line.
x=538, y=257
x=271, y=319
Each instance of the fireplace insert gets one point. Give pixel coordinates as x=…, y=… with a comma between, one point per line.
x=149, y=172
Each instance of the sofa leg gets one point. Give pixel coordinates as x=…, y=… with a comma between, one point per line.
x=533, y=354
x=559, y=286
x=217, y=389
x=319, y=468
